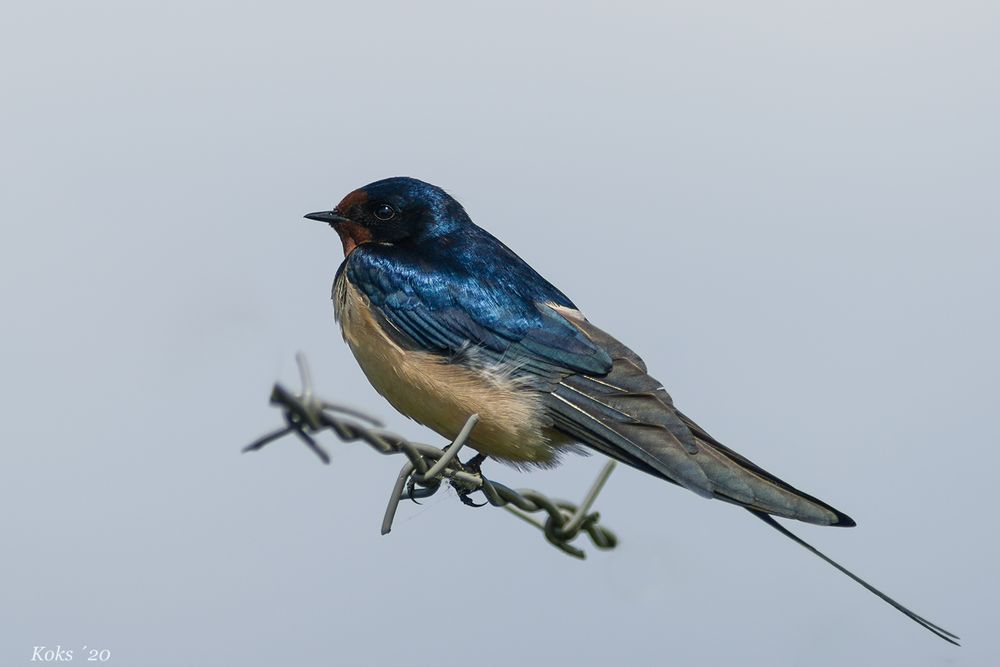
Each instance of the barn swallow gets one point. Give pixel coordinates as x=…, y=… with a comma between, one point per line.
x=446, y=321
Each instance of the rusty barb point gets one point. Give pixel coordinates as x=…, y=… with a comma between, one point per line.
x=427, y=467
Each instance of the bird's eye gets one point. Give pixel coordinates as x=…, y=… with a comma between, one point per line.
x=384, y=212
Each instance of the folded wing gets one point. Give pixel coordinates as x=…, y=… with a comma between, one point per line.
x=627, y=415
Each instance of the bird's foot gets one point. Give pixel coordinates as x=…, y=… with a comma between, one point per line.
x=465, y=496
x=411, y=487
x=473, y=466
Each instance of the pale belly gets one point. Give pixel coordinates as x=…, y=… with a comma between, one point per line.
x=442, y=395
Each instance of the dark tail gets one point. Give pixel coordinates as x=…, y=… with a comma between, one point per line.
x=628, y=415
x=936, y=629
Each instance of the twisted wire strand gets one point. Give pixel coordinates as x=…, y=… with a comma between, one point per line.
x=427, y=467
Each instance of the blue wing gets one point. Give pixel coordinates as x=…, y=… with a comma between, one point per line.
x=489, y=301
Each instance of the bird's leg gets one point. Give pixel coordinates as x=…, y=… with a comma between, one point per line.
x=473, y=465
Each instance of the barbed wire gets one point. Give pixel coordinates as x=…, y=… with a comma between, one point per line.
x=427, y=467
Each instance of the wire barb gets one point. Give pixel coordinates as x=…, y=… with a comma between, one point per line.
x=427, y=467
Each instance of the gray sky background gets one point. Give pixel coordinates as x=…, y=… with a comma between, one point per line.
x=790, y=210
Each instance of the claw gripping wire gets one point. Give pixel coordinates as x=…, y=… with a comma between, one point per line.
x=427, y=467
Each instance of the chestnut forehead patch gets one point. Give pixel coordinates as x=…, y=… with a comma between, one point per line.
x=353, y=199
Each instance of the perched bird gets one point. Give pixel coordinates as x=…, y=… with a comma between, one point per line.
x=446, y=321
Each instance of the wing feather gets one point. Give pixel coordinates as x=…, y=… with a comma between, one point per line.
x=627, y=414
x=448, y=310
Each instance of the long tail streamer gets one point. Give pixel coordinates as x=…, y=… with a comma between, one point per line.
x=936, y=629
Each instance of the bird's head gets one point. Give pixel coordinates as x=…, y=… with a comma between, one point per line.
x=393, y=211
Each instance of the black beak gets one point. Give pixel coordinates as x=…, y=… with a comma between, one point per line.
x=328, y=217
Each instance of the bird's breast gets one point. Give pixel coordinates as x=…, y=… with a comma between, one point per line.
x=441, y=393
